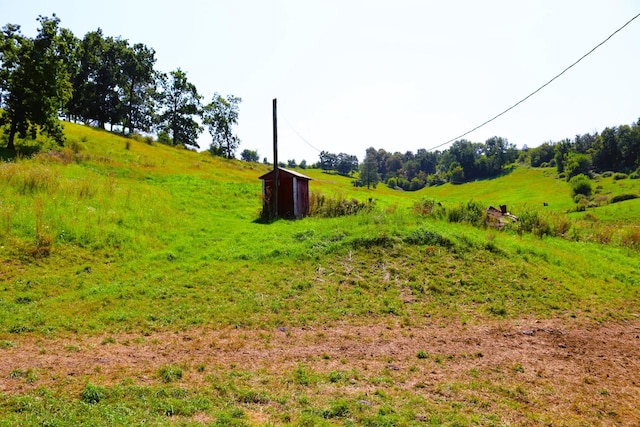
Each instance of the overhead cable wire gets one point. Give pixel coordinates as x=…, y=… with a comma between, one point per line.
x=537, y=90
x=300, y=136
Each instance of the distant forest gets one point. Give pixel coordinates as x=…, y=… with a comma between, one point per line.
x=615, y=149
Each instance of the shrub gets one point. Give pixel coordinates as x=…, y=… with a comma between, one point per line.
x=581, y=184
x=579, y=197
x=392, y=182
x=619, y=175
x=436, y=179
x=583, y=203
x=623, y=197
x=577, y=164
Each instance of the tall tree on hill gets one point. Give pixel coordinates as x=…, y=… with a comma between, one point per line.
x=346, y=164
x=328, y=160
x=95, y=83
x=220, y=115
x=179, y=103
x=113, y=83
x=369, y=169
x=137, y=87
x=249, y=155
x=34, y=80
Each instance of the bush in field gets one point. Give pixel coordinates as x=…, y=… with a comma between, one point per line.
x=623, y=197
x=577, y=164
x=580, y=184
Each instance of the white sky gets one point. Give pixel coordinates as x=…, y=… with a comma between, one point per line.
x=399, y=75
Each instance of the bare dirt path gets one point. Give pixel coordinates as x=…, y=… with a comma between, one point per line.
x=590, y=370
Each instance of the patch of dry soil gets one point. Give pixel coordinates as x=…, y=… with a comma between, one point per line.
x=587, y=372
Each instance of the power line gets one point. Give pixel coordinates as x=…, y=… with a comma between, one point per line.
x=300, y=136
x=537, y=90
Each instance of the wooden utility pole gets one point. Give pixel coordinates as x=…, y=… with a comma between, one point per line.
x=274, y=195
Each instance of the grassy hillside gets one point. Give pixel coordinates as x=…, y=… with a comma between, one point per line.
x=116, y=236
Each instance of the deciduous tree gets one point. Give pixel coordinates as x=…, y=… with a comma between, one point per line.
x=34, y=80
x=137, y=87
x=369, y=169
x=249, y=155
x=179, y=104
x=220, y=115
x=346, y=163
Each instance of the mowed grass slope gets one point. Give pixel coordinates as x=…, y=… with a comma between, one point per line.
x=115, y=236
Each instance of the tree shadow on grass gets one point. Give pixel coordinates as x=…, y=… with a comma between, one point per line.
x=22, y=151
x=505, y=171
x=7, y=155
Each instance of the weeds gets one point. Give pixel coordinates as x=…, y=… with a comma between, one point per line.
x=330, y=207
x=43, y=239
x=93, y=394
x=170, y=373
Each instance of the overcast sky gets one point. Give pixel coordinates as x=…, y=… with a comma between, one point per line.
x=399, y=75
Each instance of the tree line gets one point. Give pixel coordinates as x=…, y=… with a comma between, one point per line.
x=615, y=149
x=103, y=81
x=464, y=161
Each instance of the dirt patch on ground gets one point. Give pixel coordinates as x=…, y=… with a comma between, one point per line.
x=586, y=372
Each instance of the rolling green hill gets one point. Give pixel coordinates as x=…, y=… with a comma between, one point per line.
x=115, y=236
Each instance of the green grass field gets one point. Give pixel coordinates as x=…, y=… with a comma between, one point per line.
x=113, y=236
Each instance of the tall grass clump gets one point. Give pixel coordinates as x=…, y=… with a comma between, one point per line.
x=330, y=207
x=170, y=373
x=530, y=221
x=93, y=394
x=471, y=212
x=43, y=238
x=630, y=237
x=6, y=218
x=428, y=207
x=30, y=179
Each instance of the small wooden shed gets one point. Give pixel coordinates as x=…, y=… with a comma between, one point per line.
x=293, y=193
